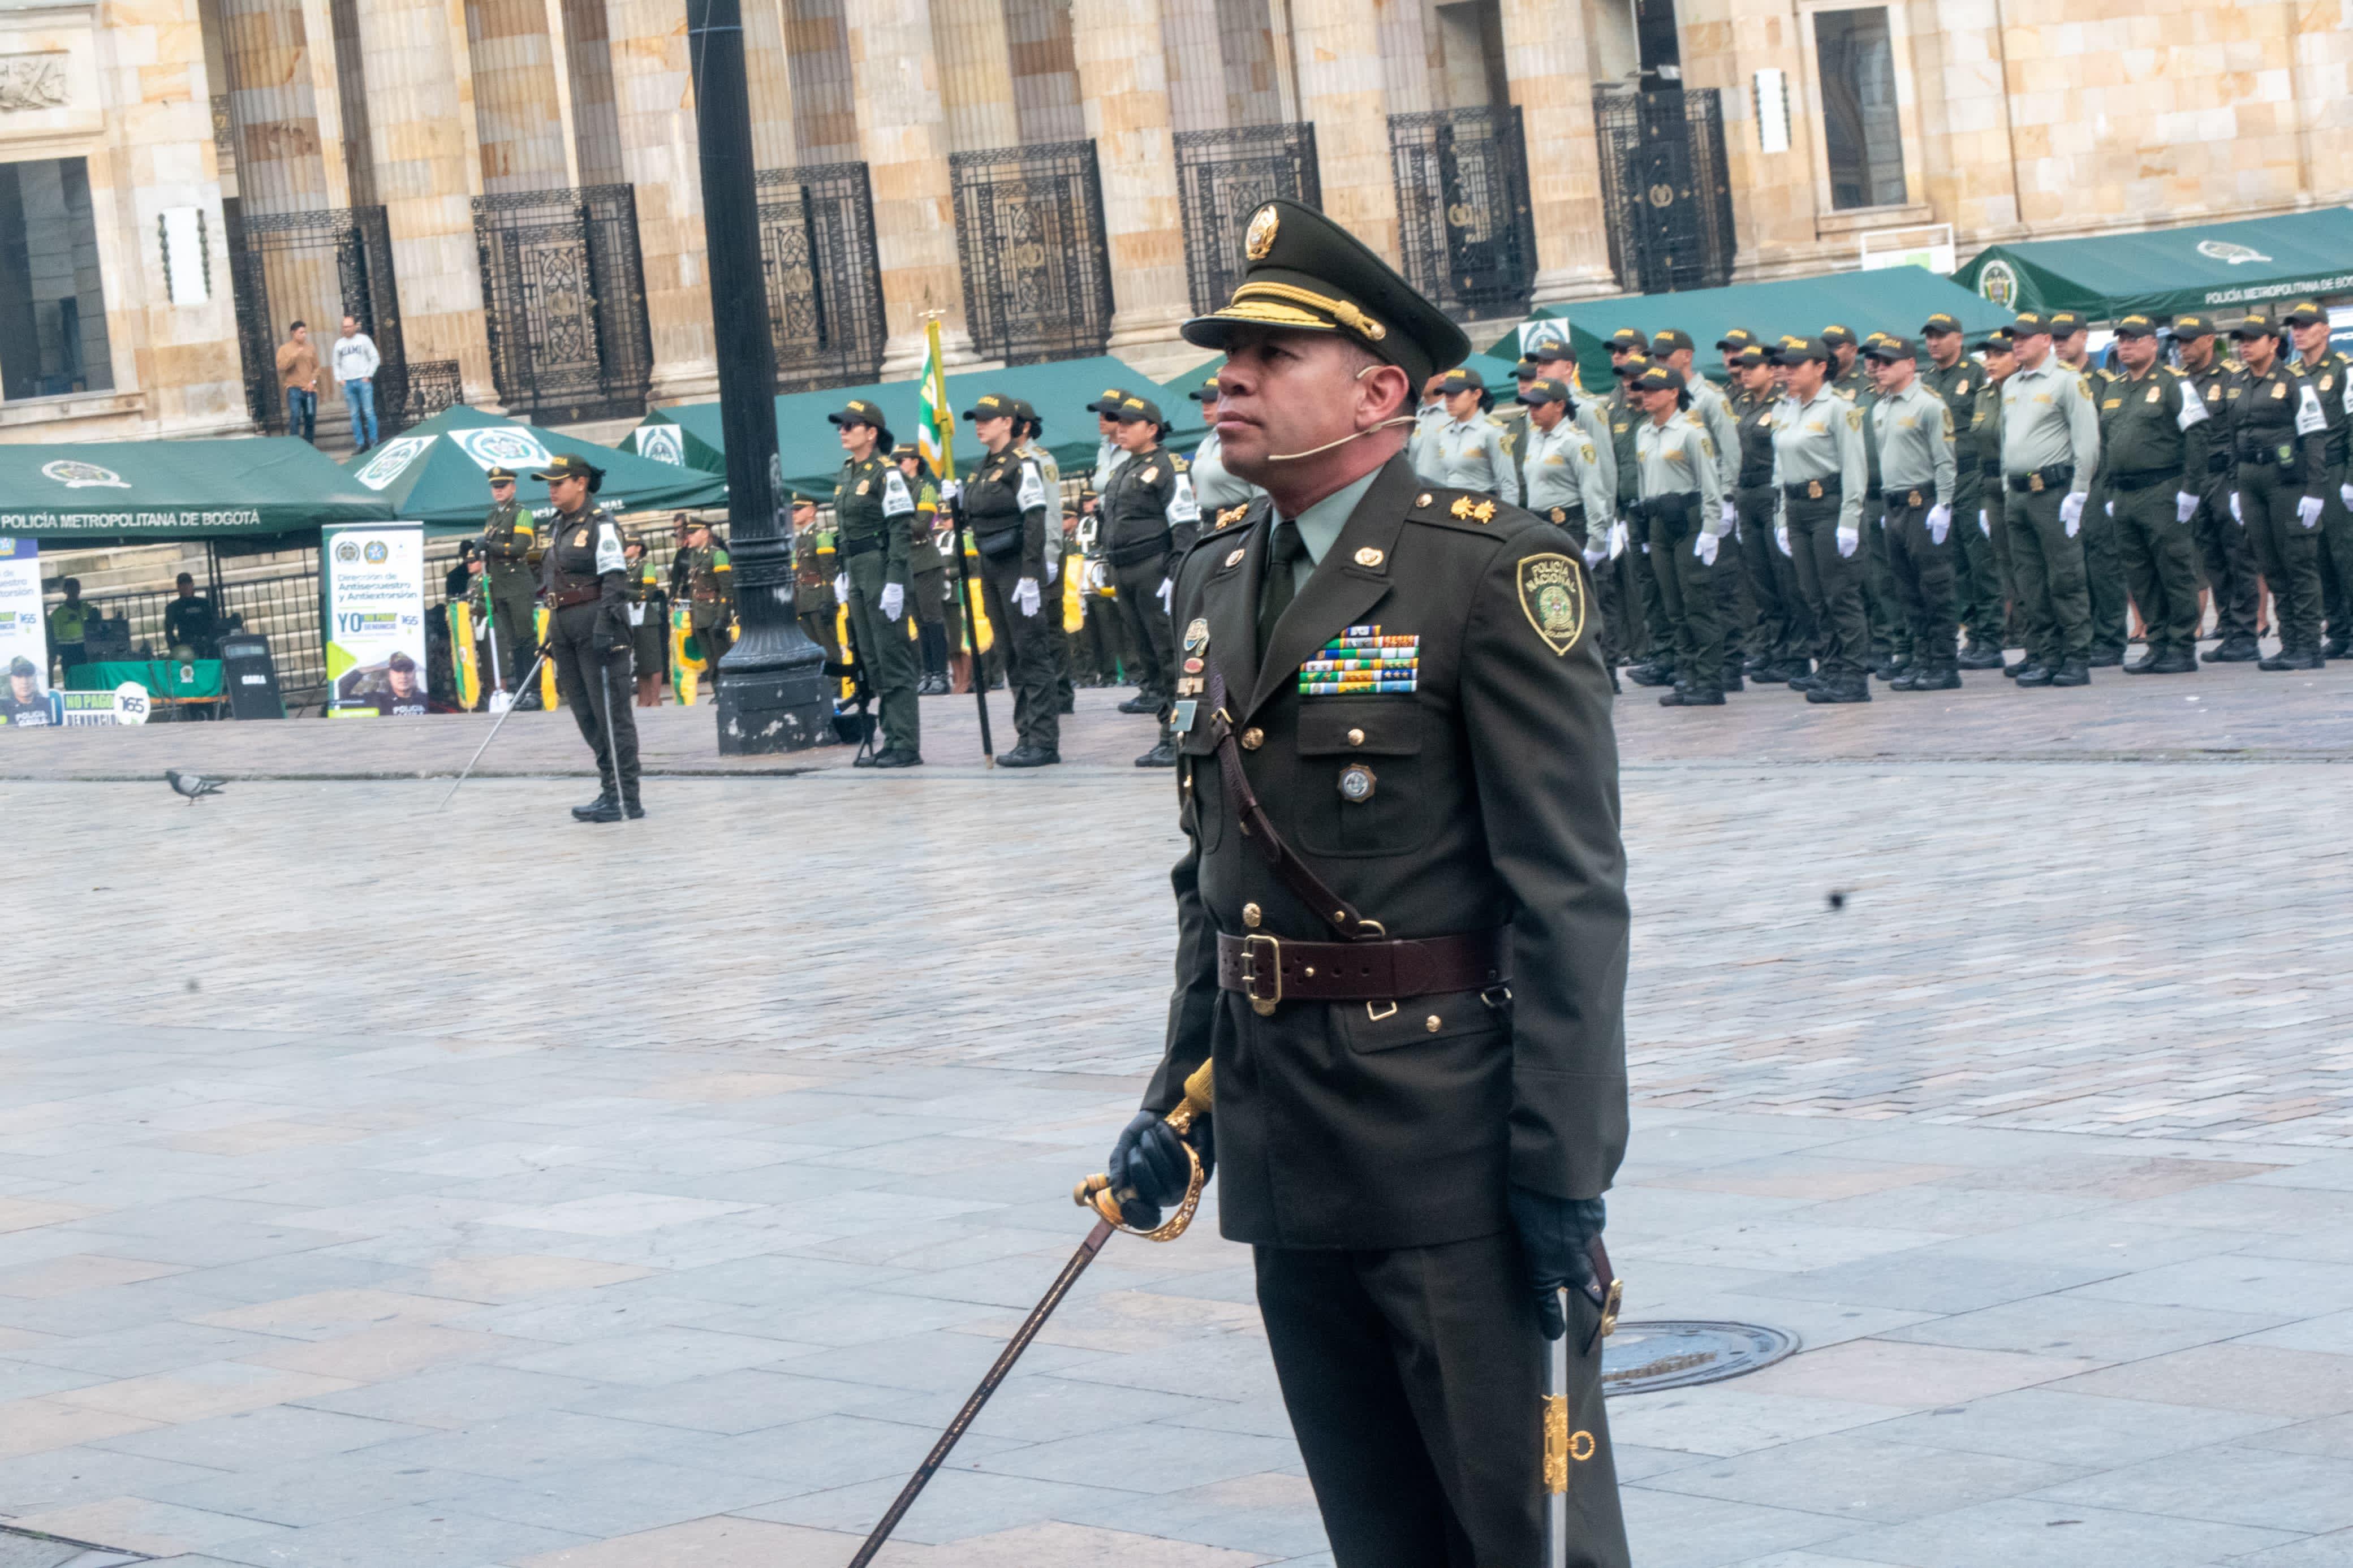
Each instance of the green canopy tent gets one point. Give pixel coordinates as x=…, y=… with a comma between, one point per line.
x=810, y=447
x=95, y=492
x=2163, y=272
x=433, y=472
x=1891, y=298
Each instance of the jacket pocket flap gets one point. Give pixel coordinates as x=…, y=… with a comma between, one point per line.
x=1367, y=726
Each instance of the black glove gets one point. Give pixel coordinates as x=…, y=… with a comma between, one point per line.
x=1554, y=1233
x=1149, y=1158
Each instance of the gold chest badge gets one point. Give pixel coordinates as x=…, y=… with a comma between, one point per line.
x=1148, y=475
x=580, y=539
x=862, y=486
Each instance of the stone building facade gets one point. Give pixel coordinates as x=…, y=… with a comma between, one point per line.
x=506, y=192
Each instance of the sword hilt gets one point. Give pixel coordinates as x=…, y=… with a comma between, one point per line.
x=1096, y=1192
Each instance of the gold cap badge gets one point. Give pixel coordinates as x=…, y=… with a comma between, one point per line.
x=1260, y=239
x=1368, y=556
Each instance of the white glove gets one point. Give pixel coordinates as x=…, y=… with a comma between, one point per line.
x=1706, y=548
x=2236, y=515
x=2307, y=511
x=1849, y=541
x=1984, y=523
x=1594, y=554
x=949, y=490
x=1731, y=519
x=841, y=587
x=1167, y=593
x=1025, y=595
x=2345, y=494
x=1781, y=538
x=2108, y=506
x=1053, y=561
x=2185, y=506
x=1940, y=522
x=2071, y=512
x=1616, y=539
x=894, y=600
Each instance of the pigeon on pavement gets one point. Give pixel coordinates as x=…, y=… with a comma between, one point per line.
x=196, y=786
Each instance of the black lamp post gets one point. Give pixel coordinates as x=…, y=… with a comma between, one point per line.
x=771, y=689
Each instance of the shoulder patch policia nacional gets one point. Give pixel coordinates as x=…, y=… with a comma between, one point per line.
x=896, y=501
x=1552, y=595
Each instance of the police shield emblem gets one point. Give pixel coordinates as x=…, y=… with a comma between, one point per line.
x=1552, y=595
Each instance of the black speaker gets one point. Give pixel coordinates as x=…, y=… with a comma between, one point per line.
x=250, y=676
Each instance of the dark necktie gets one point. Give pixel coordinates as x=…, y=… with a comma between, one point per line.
x=1282, y=583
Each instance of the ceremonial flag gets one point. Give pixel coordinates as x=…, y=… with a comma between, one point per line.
x=936, y=434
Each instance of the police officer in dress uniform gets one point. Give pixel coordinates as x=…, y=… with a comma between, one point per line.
x=1568, y=487
x=1711, y=410
x=703, y=579
x=873, y=508
x=2104, y=572
x=1005, y=506
x=1685, y=524
x=2146, y=411
x=1952, y=375
x=1061, y=525
x=510, y=544
x=813, y=571
x=1409, y=971
x=1998, y=355
x=1147, y=515
x=649, y=620
x=1467, y=452
x=2324, y=370
x=2049, y=445
x=1782, y=641
x=2281, y=437
x=1918, y=483
x=2221, y=543
x=1819, y=469
x=1654, y=643
x=927, y=570
x=588, y=602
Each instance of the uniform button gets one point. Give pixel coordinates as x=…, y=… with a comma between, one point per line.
x=1251, y=915
x=1356, y=737
x=1432, y=1024
x=1253, y=738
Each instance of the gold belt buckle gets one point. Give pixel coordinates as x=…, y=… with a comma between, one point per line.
x=1813, y=490
x=1264, y=1006
x=1912, y=499
x=2034, y=483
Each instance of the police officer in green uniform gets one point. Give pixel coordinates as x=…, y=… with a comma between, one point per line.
x=704, y=581
x=1028, y=441
x=1781, y=635
x=2050, y=446
x=1999, y=355
x=2146, y=473
x=1684, y=517
x=1006, y=506
x=873, y=509
x=510, y=544
x=70, y=622
x=1414, y=1139
x=1654, y=646
x=2221, y=542
x=1147, y=515
x=1890, y=633
x=927, y=570
x=1917, y=479
x=588, y=631
x=1567, y=486
x=2324, y=370
x=2104, y=572
x=649, y=620
x=1467, y=452
x=1819, y=469
x=1952, y=375
x=2282, y=435
x=814, y=557
x=1711, y=410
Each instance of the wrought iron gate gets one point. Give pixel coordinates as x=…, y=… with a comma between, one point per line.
x=1030, y=236
x=824, y=280
x=316, y=268
x=564, y=296
x=1463, y=224
x=1222, y=177
x=1666, y=189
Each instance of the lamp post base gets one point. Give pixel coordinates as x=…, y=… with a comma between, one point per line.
x=784, y=708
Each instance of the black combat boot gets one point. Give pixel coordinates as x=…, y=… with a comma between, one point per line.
x=2074, y=672
x=1944, y=678
x=1142, y=703
x=1163, y=755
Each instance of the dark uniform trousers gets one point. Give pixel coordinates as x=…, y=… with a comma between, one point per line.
x=1028, y=667
x=927, y=597
x=1783, y=630
x=2104, y=572
x=1687, y=587
x=1049, y=615
x=1736, y=601
x=1657, y=639
x=649, y=640
x=1608, y=587
x=1890, y=633
x=1922, y=570
x=2228, y=557
x=514, y=627
x=2051, y=595
x=1830, y=583
x=1977, y=593
x=595, y=686
x=890, y=656
x=815, y=612
x=2337, y=553
x=2159, y=560
x=2286, y=553
x=1154, y=671
x=2006, y=629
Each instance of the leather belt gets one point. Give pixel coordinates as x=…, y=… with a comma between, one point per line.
x=853, y=548
x=1136, y=551
x=2142, y=480
x=2036, y=480
x=1675, y=506
x=1814, y=490
x=1270, y=970
x=1906, y=497
x=564, y=598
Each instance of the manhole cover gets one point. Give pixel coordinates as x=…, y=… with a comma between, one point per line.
x=1643, y=1358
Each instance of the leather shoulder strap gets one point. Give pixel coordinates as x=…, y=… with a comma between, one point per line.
x=1258, y=828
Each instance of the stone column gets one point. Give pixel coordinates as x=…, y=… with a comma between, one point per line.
x=768, y=72
x=904, y=136
x=654, y=96
x=280, y=75
x=1545, y=61
x=1124, y=90
x=1337, y=58
x=520, y=101
x=428, y=170
x=974, y=69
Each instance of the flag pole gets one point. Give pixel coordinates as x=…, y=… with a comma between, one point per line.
x=942, y=427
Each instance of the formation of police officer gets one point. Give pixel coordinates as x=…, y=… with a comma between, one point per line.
x=587, y=593
x=1402, y=926
x=511, y=550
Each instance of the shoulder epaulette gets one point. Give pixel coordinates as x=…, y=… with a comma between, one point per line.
x=1468, y=511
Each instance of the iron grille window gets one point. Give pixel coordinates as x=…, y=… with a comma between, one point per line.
x=1224, y=177
x=564, y=296
x=824, y=280
x=1029, y=236
x=316, y=268
x=434, y=384
x=1464, y=228
x=1664, y=191
x=1863, y=142
x=52, y=305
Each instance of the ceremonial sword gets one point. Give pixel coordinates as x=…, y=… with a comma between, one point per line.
x=1096, y=1193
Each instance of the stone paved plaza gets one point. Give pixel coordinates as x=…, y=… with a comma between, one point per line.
x=387, y=1187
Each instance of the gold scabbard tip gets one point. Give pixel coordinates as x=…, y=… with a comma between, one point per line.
x=1556, y=1443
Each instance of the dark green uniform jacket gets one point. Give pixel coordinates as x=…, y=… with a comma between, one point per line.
x=1958, y=386
x=872, y=505
x=1492, y=800
x=508, y=536
x=1145, y=511
x=2142, y=442
x=1005, y=503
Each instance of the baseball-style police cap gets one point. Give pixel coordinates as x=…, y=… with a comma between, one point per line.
x=1998, y=341
x=1942, y=322
x=992, y=405
x=1659, y=378
x=1543, y=389
x=1527, y=369
x=1631, y=340
x=1205, y=392
x=2251, y=326
x=1736, y=339
x=1797, y=351
x=1461, y=378
x=2306, y=313
x=2030, y=324
x=1752, y=356
x=1306, y=273
x=905, y=450
x=400, y=661
x=571, y=466
x=2067, y=323
x=1838, y=337
x=2136, y=327
x=1630, y=367
x=1108, y=401
x=1890, y=349
x=2193, y=326
x=1667, y=342
x=501, y=476
x=1025, y=410
x=1548, y=350
x=858, y=411
x=20, y=665
x=1132, y=409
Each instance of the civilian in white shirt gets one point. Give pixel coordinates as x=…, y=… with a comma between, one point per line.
x=355, y=362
